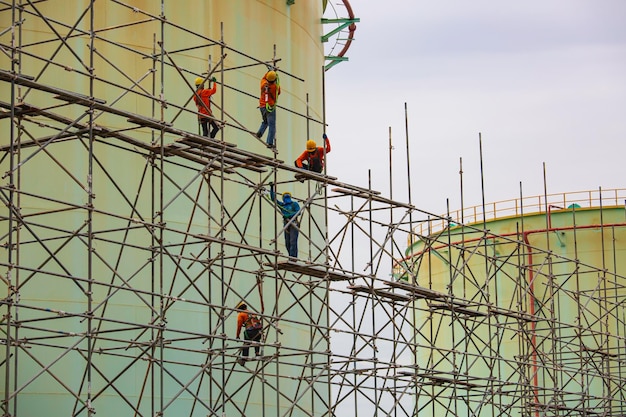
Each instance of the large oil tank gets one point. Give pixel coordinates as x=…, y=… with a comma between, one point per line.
x=127, y=243
x=521, y=306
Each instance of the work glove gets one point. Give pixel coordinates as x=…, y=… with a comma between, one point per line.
x=214, y=79
x=324, y=136
x=264, y=191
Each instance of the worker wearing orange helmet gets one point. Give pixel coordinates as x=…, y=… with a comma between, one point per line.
x=270, y=90
x=312, y=159
x=202, y=98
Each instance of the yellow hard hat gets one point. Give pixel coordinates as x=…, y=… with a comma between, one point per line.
x=199, y=81
x=271, y=76
x=311, y=145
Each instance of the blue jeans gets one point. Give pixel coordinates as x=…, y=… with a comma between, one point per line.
x=269, y=120
x=291, y=239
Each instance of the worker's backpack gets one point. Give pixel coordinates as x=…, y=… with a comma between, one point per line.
x=253, y=322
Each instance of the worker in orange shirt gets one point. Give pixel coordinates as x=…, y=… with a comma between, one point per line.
x=312, y=159
x=202, y=98
x=252, y=330
x=270, y=90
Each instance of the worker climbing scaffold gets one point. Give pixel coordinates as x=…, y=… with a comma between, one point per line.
x=290, y=209
x=252, y=331
x=312, y=159
x=270, y=90
x=202, y=98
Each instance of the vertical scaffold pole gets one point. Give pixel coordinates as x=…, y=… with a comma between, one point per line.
x=90, y=208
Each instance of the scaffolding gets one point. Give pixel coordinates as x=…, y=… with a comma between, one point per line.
x=120, y=292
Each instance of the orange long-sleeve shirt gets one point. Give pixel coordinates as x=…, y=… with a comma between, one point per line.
x=204, y=94
x=269, y=92
x=319, y=152
x=242, y=318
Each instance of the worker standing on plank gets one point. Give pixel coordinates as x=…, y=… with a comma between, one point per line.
x=312, y=159
x=252, y=330
x=290, y=210
x=270, y=90
x=202, y=98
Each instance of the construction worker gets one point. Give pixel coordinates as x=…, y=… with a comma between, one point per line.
x=202, y=98
x=312, y=159
x=252, y=331
x=290, y=210
x=270, y=90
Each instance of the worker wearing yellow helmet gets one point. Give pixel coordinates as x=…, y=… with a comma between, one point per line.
x=202, y=98
x=270, y=90
x=312, y=159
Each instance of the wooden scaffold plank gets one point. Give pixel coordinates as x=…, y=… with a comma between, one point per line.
x=417, y=291
x=317, y=271
x=380, y=292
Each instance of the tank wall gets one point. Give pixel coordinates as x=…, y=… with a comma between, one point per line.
x=565, y=271
x=116, y=197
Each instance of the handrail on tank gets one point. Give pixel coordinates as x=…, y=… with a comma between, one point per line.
x=526, y=205
x=349, y=23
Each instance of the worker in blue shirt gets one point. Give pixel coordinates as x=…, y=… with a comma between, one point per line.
x=290, y=209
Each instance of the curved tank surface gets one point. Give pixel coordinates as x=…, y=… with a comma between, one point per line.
x=130, y=234
x=528, y=304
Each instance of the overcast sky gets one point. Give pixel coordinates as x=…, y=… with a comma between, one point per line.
x=541, y=81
